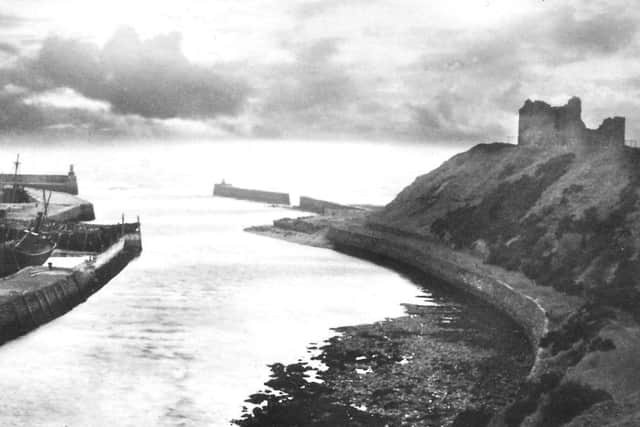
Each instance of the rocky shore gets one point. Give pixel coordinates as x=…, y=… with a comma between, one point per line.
x=584, y=365
x=452, y=361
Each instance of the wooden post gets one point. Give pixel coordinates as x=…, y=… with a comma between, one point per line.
x=122, y=231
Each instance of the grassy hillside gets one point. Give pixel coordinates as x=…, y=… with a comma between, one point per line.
x=567, y=219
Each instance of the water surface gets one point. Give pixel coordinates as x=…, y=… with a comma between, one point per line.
x=183, y=335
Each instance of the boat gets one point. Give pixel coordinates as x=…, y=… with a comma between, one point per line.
x=30, y=249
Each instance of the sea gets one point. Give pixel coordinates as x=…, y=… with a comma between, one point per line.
x=186, y=332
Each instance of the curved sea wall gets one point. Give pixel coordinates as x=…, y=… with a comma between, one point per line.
x=37, y=295
x=586, y=369
x=458, y=269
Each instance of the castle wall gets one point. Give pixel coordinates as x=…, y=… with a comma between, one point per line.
x=540, y=124
x=610, y=133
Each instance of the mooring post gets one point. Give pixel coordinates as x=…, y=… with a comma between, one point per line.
x=122, y=233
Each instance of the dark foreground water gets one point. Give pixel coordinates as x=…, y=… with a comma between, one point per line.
x=185, y=333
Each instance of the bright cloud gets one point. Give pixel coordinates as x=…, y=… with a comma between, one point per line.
x=404, y=69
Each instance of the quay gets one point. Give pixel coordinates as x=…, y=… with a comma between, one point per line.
x=61, y=207
x=36, y=295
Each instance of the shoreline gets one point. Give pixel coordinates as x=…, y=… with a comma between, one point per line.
x=603, y=376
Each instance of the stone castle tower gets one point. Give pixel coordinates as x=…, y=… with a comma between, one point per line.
x=541, y=124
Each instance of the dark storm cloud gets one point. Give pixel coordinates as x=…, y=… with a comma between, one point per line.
x=443, y=121
x=15, y=115
x=314, y=80
x=8, y=49
x=601, y=33
x=20, y=116
x=310, y=94
x=151, y=78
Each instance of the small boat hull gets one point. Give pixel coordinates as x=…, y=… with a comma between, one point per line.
x=31, y=249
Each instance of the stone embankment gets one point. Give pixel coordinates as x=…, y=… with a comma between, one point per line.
x=322, y=207
x=531, y=306
x=36, y=295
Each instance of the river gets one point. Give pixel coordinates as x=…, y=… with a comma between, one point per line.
x=183, y=335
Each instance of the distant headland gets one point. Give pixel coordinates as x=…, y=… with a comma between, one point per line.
x=548, y=231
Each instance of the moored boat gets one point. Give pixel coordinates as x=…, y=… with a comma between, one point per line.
x=30, y=249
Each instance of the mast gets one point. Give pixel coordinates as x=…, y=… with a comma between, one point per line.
x=15, y=178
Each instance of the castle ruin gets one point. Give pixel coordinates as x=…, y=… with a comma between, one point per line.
x=541, y=124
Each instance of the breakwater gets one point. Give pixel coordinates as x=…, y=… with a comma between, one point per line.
x=228, y=190
x=64, y=183
x=36, y=295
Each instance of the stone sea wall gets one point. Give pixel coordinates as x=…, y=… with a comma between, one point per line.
x=64, y=183
x=455, y=269
x=37, y=295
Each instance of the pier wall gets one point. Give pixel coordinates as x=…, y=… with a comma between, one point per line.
x=226, y=190
x=64, y=183
x=37, y=295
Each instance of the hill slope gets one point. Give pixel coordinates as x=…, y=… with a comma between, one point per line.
x=566, y=218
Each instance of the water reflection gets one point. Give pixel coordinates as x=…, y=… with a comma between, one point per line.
x=185, y=332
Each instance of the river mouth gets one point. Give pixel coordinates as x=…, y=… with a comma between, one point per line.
x=453, y=359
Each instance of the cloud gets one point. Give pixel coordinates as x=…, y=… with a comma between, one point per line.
x=150, y=78
x=315, y=8
x=8, y=49
x=313, y=80
x=21, y=116
x=7, y=20
x=473, y=84
x=600, y=33
x=310, y=94
x=335, y=68
x=444, y=122
x=15, y=115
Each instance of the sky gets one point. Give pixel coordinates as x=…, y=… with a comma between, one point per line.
x=451, y=72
